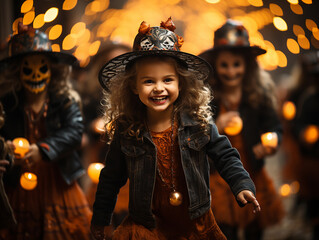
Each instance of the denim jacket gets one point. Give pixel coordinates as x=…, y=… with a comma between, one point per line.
x=64, y=128
x=136, y=160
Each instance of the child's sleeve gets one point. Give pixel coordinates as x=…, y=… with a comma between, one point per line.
x=227, y=162
x=65, y=138
x=112, y=177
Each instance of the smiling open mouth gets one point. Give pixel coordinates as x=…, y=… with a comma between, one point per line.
x=159, y=99
x=36, y=85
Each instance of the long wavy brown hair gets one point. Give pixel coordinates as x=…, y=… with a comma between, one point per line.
x=122, y=106
x=258, y=87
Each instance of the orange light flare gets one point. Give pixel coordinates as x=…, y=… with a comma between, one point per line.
x=289, y=110
x=285, y=190
x=94, y=171
x=28, y=181
x=21, y=147
x=311, y=134
x=269, y=139
x=234, y=126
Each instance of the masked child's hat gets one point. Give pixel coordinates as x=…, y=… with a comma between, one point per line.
x=29, y=41
x=232, y=35
x=155, y=41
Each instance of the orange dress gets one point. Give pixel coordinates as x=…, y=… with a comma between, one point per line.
x=53, y=210
x=224, y=205
x=172, y=222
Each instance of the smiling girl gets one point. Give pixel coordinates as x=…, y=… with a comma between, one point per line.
x=161, y=133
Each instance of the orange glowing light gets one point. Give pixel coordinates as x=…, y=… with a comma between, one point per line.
x=311, y=134
x=56, y=47
x=293, y=46
x=310, y=24
x=28, y=18
x=234, y=126
x=296, y=8
x=38, y=21
x=55, y=32
x=99, y=125
x=28, y=181
x=282, y=59
x=303, y=42
x=315, y=33
x=293, y=1
x=51, y=14
x=285, y=190
x=280, y=24
x=69, y=4
x=21, y=147
x=94, y=171
x=269, y=139
x=289, y=110
x=68, y=42
x=26, y=6
x=295, y=187
x=94, y=47
x=256, y=3
x=298, y=30
x=275, y=9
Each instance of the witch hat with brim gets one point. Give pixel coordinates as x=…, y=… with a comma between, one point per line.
x=29, y=41
x=155, y=41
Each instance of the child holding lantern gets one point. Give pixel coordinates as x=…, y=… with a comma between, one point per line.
x=244, y=106
x=41, y=106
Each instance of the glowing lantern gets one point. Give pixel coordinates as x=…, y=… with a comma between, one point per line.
x=289, y=110
x=21, y=147
x=94, y=171
x=234, y=126
x=28, y=181
x=269, y=139
x=311, y=134
x=285, y=190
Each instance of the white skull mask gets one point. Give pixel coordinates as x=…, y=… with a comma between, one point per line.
x=35, y=73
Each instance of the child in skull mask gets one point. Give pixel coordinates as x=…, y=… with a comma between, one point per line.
x=41, y=106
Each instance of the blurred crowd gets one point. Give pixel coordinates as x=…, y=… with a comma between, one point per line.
x=295, y=175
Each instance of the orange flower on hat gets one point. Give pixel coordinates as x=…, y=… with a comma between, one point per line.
x=144, y=28
x=180, y=41
x=168, y=24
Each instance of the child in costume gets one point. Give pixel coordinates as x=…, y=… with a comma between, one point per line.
x=157, y=108
x=242, y=90
x=300, y=147
x=41, y=106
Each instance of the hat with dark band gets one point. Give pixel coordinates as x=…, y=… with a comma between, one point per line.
x=155, y=41
x=232, y=35
x=31, y=41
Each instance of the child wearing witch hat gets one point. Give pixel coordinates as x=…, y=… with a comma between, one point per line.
x=244, y=95
x=161, y=132
x=41, y=106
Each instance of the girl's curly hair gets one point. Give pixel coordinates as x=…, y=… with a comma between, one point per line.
x=122, y=106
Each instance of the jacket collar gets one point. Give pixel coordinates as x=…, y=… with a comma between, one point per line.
x=187, y=121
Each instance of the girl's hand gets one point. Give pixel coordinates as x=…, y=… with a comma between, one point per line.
x=98, y=232
x=33, y=155
x=3, y=164
x=261, y=151
x=224, y=119
x=247, y=196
